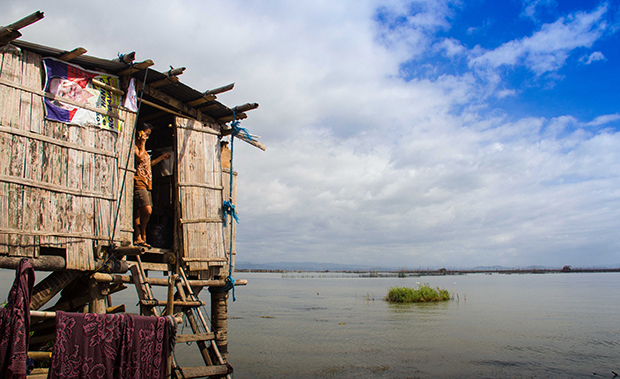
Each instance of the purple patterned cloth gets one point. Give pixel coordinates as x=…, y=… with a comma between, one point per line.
x=15, y=324
x=111, y=346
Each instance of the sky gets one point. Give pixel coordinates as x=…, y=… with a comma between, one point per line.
x=399, y=133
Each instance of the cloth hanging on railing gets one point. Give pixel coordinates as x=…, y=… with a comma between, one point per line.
x=106, y=346
x=15, y=324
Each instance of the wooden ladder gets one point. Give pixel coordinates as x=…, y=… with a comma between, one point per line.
x=189, y=303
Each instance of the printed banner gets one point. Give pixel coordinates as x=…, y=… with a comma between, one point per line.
x=69, y=81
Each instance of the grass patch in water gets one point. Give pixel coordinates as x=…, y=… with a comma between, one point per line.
x=423, y=294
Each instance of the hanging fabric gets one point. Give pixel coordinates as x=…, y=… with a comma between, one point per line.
x=15, y=324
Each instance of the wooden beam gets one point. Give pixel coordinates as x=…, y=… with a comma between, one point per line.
x=209, y=95
x=252, y=142
x=238, y=116
x=108, y=87
x=39, y=355
x=167, y=110
x=109, y=278
x=221, y=89
x=201, y=100
x=210, y=108
x=8, y=36
x=245, y=107
x=10, y=32
x=175, y=71
x=72, y=54
x=43, y=263
x=153, y=116
x=175, y=104
x=115, y=309
x=50, y=286
x=169, y=100
x=150, y=303
x=136, y=67
x=164, y=82
x=180, y=338
x=30, y=19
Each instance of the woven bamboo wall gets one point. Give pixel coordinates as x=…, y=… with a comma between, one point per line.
x=199, y=183
x=59, y=183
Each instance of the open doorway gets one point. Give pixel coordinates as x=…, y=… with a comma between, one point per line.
x=160, y=228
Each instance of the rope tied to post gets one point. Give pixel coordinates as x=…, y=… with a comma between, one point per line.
x=239, y=132
x=229, y=209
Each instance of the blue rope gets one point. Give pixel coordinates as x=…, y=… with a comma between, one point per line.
x=239, y=132
x=228, y=205
x=229, y=209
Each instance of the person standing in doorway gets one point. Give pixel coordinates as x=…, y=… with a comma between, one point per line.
x=143, y=184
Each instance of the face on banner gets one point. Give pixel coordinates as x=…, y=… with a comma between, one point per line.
x=69, y=89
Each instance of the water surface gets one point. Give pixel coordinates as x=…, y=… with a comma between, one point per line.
x=338, y=326
x=501, y=326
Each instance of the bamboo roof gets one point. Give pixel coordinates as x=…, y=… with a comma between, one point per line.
x=162, y=88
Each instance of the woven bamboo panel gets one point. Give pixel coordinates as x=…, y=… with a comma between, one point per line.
x=59, y=183
x=200, y=194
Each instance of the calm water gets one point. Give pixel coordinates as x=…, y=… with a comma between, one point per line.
x=501, y=326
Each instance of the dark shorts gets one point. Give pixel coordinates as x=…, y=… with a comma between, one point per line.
x=141, y=198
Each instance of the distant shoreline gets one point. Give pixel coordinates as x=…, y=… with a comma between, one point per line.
x=439, y=272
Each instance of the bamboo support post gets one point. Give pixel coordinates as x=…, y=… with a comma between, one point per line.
x=170, y=304
x=219, y=320
x=97, y=297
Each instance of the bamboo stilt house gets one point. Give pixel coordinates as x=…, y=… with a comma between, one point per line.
x=67, y=132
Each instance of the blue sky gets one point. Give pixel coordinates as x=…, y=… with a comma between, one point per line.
x=400, y=133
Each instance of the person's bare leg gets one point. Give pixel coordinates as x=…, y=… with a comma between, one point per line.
x=145, y=215
x=136, y=229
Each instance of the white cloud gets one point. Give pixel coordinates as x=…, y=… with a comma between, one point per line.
x=531, y=7
x=595, y=56
x=361, y=166
x=450, y=47
x=603, y=120
x=547, y=49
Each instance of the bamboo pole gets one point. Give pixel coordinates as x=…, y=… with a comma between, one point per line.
x=42, y=314
x=50, y=286
x=219, y=321
x=116, y=278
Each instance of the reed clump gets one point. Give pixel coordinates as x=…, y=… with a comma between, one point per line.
x=423, y=294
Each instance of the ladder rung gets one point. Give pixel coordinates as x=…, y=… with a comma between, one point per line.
x=194, y=337
x=151, y=303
